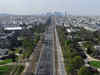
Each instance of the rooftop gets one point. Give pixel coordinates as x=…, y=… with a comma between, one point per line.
x=13, y=28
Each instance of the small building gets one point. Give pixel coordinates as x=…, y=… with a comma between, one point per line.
x=97, y=53
x=12, y=28
x=97, y=47
x=3, y=52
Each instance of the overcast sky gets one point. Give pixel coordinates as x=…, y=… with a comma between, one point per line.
x=83, y=7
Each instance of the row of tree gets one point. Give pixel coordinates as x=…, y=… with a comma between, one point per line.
x=74, y=62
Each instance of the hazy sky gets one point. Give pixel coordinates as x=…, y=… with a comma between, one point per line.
x=84, y=7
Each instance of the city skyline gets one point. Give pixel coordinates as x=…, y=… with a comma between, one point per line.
x=79, y=7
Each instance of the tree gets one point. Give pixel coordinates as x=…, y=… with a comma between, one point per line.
x=27, y=44
x=89, y=46
x=69, y=69
x=77, y=62
x=84, y=71
x=13, y=56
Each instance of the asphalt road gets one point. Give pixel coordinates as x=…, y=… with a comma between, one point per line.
x=45, y=64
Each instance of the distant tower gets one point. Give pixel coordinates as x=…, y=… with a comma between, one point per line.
x=68, y=19
x=65, y=19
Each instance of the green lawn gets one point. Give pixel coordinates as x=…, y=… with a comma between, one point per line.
x=5, y=70
x=95, y=64
x=2, y=62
